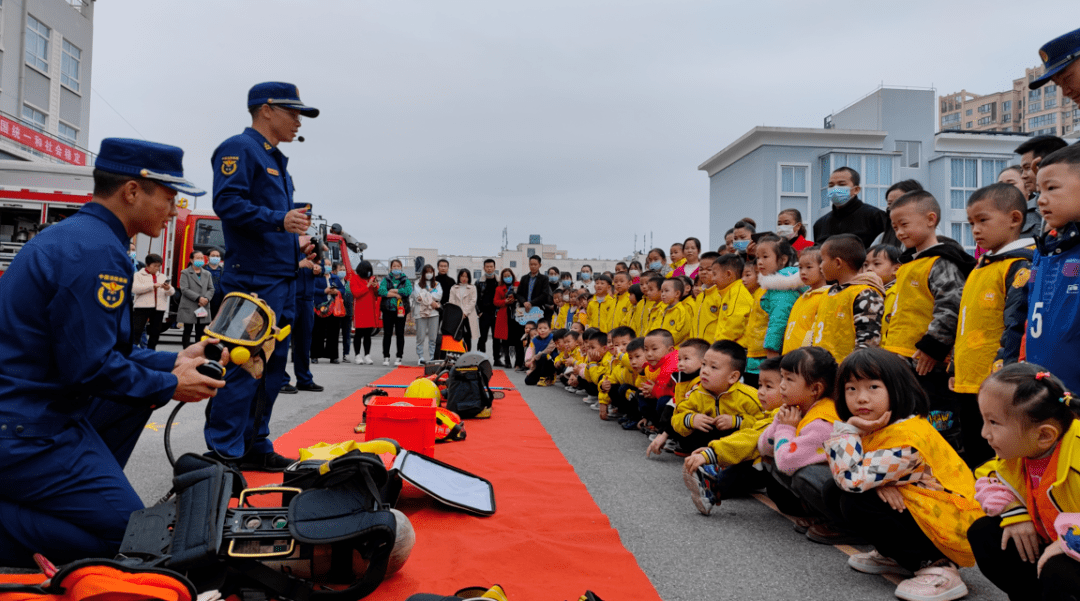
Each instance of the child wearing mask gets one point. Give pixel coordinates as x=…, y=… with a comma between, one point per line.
x=789, y=226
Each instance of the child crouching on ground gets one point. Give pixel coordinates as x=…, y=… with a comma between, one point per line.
x=905, y=489
x=543, y=348
x=1033, y=496
x=619, y=373
x=624, y=397
x=731, y=466
x=796, y=441
x=686, y=379
x=658, y=388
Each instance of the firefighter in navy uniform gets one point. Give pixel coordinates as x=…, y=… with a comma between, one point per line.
x=66, y=355
x=253, y=196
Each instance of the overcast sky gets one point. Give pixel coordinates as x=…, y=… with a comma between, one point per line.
x=583, y=121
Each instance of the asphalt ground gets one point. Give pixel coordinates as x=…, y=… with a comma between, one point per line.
x=744, y=550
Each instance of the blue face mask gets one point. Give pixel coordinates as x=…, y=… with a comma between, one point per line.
x=215, y=260
x=341, y=274
x=585, y=276
x=508, y=280
x=198, y=263
x=396, y=272
x=554, y=279
x=839, y=195
x=741, y=245
x=567, y=283
x=132, y=255
x=656, y=266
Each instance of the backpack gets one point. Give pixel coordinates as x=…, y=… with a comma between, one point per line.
x=335, y=509
x=104, y=580
x=467, y=392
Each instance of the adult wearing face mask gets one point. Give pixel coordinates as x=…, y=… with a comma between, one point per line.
x=849, y=214
x=555, y=281
x=485, y=307
x=395, y=290
x=196, y=290
x=585, y=281
x=425, y=305
x=150, y=291
x=215, y=268
x=507, y=329
x=656, y=260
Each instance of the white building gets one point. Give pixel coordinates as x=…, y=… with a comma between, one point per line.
x=887, y=136
x=517, y=259
x=46, y=48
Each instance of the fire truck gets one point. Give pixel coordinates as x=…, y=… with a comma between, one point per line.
x=35, y=195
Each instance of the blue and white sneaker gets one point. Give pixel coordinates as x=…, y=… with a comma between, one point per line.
x=698, y=483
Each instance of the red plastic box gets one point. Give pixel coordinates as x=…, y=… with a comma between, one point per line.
x=411, y=422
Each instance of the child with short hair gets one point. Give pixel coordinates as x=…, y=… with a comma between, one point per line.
x=538, y=356
x=993, y=307
x=731, y=466
x=884, y=260
x=923, y=325
x=602, y=306
x=707, y=301
x=778, y=274
x=599, y=363
x=559, y=315
x=736, y=301
x=923, y=498
x=624, y=307
x=796, y=441
x=582, y=315
x=1052, y=299
x=640, y=320
x=803, y=315
x=757, y=323
x=719, y=404
x=662, y=360
x=849, y=316
x=1029, y=543
x=678, y=259
x=685, y=380
x=653, y=285
x=674, y=318
x=618, y=371
x=624, y=396
x=570, y=357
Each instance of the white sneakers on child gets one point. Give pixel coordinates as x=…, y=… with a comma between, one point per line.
x=939, y=581
x=876, y=563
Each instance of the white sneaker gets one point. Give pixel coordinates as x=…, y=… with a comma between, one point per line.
x=876, y=563
x=386, y=362
x=595, y=406
x=397, y=361
x=344, y=358
x=581, y=392
x=358, y=360
x=367, y=359
x=569, y=388
x=421, y=363
x=588, y=400
x=940, y=583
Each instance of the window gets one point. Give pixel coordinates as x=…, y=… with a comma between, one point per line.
x=33, y=117
x=986, y=120
x=1034, y=107
x=1050, y=90
x=876, y=175
x=513, y=264
x=530, y=253
x=1034, y=95
x=962, y=182
x=67, y=133
x=69, y=66
x=961, y=232
x=1042, y=121
x=990, y=170
x=1050, y=103
x=950, y=119
x=1049, y=131
x=476, y=275
x=1006, y=118
x=37, y=43
x=987, y=108
x=911, y=151
x=967, y=113
x=1006, y=107
x=968, y=125
x=795, y=188
x=823, y=163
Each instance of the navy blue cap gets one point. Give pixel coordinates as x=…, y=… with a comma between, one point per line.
x=1057, y=54
x=278, y=93
x=150, y=160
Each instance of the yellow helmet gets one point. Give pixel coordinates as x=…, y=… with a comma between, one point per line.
x=422, y=388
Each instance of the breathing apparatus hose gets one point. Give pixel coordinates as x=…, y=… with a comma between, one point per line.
x=168, y=433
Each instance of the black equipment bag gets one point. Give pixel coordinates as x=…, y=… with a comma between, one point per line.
x=340, y=504
x=467, y=391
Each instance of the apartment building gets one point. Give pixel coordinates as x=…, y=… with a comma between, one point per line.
x=1019, y=110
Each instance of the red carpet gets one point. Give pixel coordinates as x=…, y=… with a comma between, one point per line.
x=547, y=541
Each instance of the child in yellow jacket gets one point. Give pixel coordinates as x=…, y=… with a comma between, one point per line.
x=601, y=308
x=804, y=311
x=707, y=302
x=619, y=371
x=674, y=319
x=624, y=305
x=736, y=302
x=731, y=466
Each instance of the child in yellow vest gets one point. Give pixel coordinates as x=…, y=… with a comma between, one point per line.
x=736, y=301
x=599, y=363
x=602, y=306
x=905, y=489
x=707, y=302
x=796, y=442
x=804, y=311
x=562, y=309
x=618, y=373
x=922, y=328
x=651, y=286
x=757, y=323
x=640, y=319
x=625, y=392
x=569, y=358
x=719, y=405
x=993, y=308
x=674, y=318
x=731, y=466
x=624, y=305
x=849, y=316
x=1032, y=499
x=582, y=315
x=884, y=260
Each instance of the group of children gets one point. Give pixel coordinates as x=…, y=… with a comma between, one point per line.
x=878, y=396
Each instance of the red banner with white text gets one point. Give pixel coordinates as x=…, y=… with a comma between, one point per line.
x=40, y=142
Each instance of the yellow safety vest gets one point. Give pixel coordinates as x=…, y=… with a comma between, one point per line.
x=944, y=516
x=823, y=409
x=914, y=309
x=757, y=325
x=834, y=329
x=801, y=321
x=708, y=311
x=982, y=310
x=890, y=306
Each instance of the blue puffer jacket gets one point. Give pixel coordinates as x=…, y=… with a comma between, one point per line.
x=1053, y=315
x=782, y=289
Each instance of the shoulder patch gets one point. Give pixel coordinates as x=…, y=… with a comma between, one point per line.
x=228, y=165
x=110, y=290
x=272, y=171
x=1021, y=279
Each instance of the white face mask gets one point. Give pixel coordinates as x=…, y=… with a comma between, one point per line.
x=787, y=231
x=428, y=276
